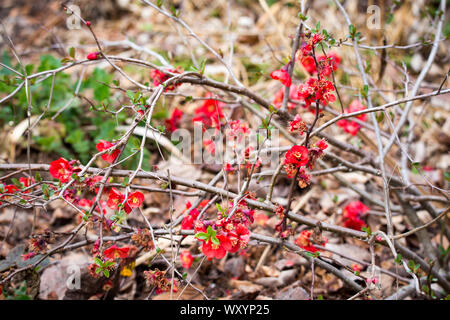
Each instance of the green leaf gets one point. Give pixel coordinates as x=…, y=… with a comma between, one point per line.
x=219, y=208
x=398, y=259
x=380, y=116
x=215, y=240
x=72, y=52
x=201, y=236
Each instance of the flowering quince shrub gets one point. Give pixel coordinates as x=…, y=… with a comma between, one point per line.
x=289, y=180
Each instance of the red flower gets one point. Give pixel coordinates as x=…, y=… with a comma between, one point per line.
x=352, y=215
x=314, y=90
x=115, y=198
x=109, y=156
x=211, y=250
x=324, y=63
x=298, y=125
x=228, y=167
x=322, y=144
x=114, y=252
x=61, y=169
x=278, y=98
x=173, y=123
x=304, y=241
x=10, y=188
x=239, y=237
x=135, y=199
x=160, y=77
x=298, y=156
x=350, y=126
x=93, y=56
x=186, y=259
x=210, y=112
x=189, y=220
x=309, y=64
x=282, y=75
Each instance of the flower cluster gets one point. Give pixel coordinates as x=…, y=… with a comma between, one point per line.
x=352, y=215
x=115, y=199
x=316, y=90
x=298, y=125
x=350, y=126
x=9, y=189
x=110, y=259
x=226, y=234
x=323, y=62
x=188, y=221
x=298, y=157
x=111, y=155
x=160, y=77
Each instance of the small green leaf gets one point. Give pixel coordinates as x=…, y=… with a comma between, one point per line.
x=201, y=236
x=72, y=52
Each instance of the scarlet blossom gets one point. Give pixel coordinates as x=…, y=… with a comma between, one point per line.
x=352, y=214
x=350, y=126
x=322, y=144
x=228, y=167
x=160, y=77
x=212, y=250
x=135, y=199
x=210, y=112
x=173, y=122
x=186, y=259
x=115, y=198
x=297, y=155
x=278, y=98
x=10, y=188
x=93, y=56
x=304, y=241
x=88, y=23
x=325, y=61
x=316, y=90
x=298, y=125
x=188, y=221
x=61, y=169
x=114, y=252
x=109, y=156
x=282, y=75
x=239, y=237
x=26, y=181
x=309, y=64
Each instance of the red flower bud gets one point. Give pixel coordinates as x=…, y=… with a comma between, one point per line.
x=93, y=56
